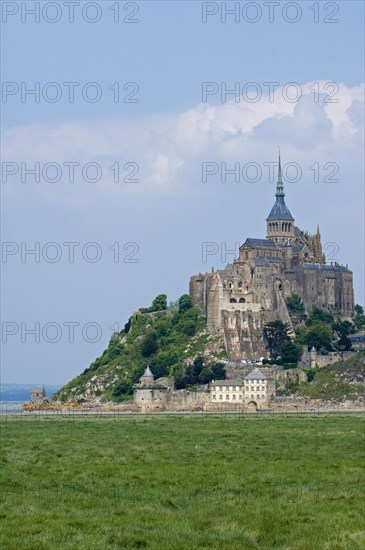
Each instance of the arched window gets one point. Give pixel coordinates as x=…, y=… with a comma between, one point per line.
x=240, y=284
x=233, y=301
x=242, y=301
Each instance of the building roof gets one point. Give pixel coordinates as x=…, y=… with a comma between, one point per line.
x=264, y=261
x=233, y=382
x=148, y=372
x=256, y=374
x=297, y=231
x=324, y=267
x=260, y=243
x=280, y=211
x=226, y=270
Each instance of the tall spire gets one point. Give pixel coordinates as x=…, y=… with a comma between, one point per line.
x=280, y=211
x=279, y=183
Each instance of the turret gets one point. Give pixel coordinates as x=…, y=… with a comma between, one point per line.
x=147, y=378
x=280, y=222
x=313, y=357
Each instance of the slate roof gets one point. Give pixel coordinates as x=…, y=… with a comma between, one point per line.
x=256, y=374
x=324, y=267
x=227, y=269
x=260, y=243
x=233, y=382
x=147, y=372
x=280, y=211
x=264, y=261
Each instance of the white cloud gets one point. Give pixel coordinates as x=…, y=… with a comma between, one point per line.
x=170, y=148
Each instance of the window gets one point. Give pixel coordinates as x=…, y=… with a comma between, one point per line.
x=233, y=301
x=234, y=396
x=214, y=397
x=240, y=396
x=221, y=397
x=227, y=397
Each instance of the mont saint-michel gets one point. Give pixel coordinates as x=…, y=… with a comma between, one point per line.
x=252, y=291
x=251, y=335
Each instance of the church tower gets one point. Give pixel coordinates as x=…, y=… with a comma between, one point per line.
x=280, y=222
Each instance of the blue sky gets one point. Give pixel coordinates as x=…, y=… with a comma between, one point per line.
x=163, y=220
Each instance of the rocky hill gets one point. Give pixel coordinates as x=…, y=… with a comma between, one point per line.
x=168, y=341
x=342, y=381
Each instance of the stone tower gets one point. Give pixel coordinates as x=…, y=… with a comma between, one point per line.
x=147, y=378
x=280, y=222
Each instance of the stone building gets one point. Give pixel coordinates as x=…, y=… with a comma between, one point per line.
x=256, y=389
x=222, y=391
x=259, y=389
x=159, y=395
x=37, y=395
x=241, y=298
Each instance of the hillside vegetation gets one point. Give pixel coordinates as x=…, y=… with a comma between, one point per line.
x=342, y=381
x=168, y=340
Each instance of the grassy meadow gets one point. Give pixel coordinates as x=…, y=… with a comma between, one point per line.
x=190, y=482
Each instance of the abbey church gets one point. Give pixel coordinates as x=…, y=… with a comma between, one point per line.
x=241, y=298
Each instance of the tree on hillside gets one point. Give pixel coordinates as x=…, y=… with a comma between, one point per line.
x=360, y=317
x=185, y=302
x=162, y=362
x=290, y=352
x=319, y=335
x=344, y=343
x=296, y=308
x=159, y=303
x=124, y=387
x=218, y=371
x=128, y=325
x=275, y=334
x=149, y=345
x=193, y=371
x=318, y=314
x=344, y=328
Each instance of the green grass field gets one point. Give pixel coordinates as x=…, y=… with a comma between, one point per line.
x=192, y=482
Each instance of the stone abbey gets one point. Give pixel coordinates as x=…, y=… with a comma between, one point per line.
x=244, y=296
